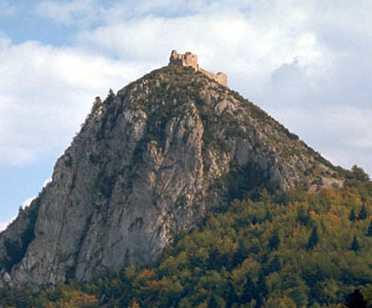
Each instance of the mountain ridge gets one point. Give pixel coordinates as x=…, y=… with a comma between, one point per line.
x=149, y=163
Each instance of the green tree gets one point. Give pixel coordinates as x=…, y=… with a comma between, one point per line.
x=352, y=216
x=313, y=238
x=229, y=262
x=363, y=213
x=367, y=294
x=359, y=174
x=355, y=246
x=280, y=302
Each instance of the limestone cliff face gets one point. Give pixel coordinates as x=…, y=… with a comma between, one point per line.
x=148, y=163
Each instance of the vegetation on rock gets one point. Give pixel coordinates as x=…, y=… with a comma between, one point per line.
x=301, y=252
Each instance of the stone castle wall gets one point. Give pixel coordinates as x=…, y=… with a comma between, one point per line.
x=191, y=60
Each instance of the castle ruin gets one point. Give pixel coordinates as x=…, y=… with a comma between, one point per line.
x=190, y=60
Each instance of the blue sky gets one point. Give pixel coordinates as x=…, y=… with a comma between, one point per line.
x=305, y=62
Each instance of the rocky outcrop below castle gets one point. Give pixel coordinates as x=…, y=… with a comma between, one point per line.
x=148, y=163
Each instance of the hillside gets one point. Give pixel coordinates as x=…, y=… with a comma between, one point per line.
x=151, y=162
x=260, y=253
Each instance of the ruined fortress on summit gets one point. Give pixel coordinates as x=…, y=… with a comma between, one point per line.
x=191, y=60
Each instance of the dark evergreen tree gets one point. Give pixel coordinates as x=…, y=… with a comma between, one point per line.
x=352, y=216
x=355, y=246
x=269, y=216
x=213, y=302
x=369, y=229
x=313, y=239
x=355, y=300
x=111, y=93
x=303, y=216
x=363, y=213
x=274, y=241
x=275, y=265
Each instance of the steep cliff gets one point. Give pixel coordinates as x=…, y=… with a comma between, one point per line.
x=148, y=163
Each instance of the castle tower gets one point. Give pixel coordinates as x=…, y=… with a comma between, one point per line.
x=186, y=59
x=191, y=60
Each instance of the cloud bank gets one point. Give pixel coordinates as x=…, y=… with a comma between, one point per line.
x=3, y=226
x=307, y=63
x=46, y=93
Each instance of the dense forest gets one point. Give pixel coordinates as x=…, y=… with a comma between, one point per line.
x=298, y=249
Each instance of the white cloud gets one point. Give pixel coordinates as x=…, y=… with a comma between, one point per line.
x=70, y=12
x=46, y=93
x=310, y=70
x=93, y=12
x=47, y=181
x=341, y=133
x=229, y=41
x=3, y=225
x=27, y=202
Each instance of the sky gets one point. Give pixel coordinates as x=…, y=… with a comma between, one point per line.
x=307, y=63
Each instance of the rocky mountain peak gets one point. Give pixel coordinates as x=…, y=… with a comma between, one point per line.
x=149, y=162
